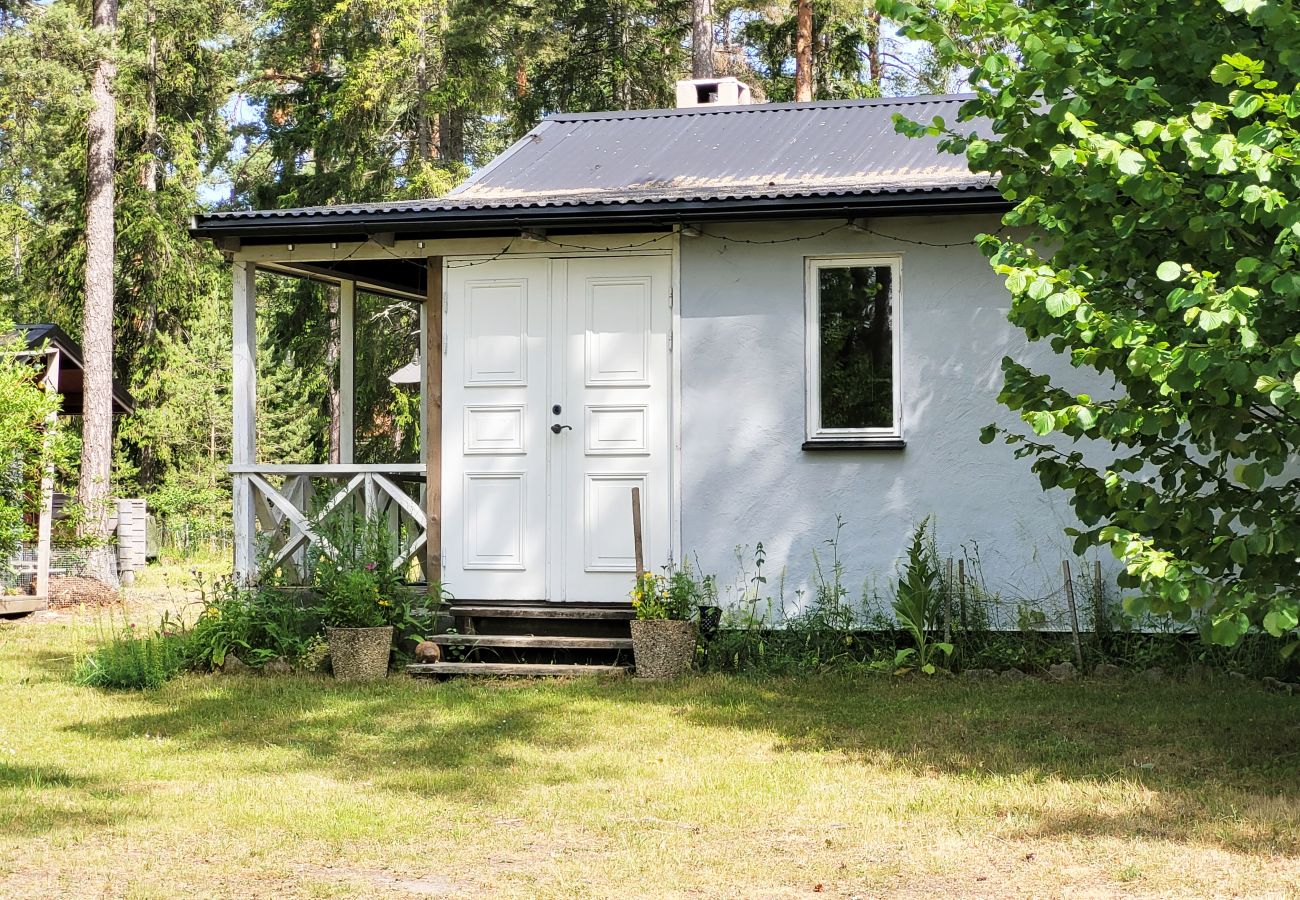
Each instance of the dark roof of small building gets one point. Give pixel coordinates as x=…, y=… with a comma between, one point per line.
x=71, y=366
x=648, y=166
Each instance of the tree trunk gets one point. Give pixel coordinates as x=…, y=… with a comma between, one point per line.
x=451, y=136
x=702, y=39
x=149, y=173
x=803, y=54
x=423, y=119
x=97, y=336
x=874, y=64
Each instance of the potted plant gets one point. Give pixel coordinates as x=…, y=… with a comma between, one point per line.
x=663, y=637
x=362, y=603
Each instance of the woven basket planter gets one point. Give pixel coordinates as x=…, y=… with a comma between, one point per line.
x=662, y=648
x=359, y=654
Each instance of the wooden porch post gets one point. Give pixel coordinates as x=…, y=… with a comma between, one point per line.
x=244, y=428
x=431, y=432
x=45, y=524
x=347, y=371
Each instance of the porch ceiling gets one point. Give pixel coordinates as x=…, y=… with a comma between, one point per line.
x=393, y=277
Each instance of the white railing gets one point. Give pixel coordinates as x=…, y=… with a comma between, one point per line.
x=293, y=503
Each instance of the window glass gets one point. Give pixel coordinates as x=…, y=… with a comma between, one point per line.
x=856, y=352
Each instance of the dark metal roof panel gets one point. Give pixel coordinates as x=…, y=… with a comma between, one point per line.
x=706, y=154
x=37, y=334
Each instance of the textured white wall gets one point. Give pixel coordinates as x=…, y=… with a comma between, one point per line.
x=745, y=477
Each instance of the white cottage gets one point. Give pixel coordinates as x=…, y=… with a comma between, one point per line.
x=761, y=315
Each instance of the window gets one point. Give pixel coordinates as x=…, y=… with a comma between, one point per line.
x=853, y=353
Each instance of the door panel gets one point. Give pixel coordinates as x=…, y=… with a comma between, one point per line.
x=494, y=392
x=556, y=397
x=616, y=385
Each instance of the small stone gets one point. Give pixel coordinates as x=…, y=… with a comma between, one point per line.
x=978, y=674
x=1062, y=672
x=1237, y=676
x=278, y=666
x=1155, y=674
x=1106, y=671
x=1014, y=675
x=428, y=652
x=233, y=665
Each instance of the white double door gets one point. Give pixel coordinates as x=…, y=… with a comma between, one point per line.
x=556, y=403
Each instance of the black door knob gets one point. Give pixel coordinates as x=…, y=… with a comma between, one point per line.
x=557, y=427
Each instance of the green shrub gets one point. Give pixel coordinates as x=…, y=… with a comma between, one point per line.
x=131, y=661
x=257, y=625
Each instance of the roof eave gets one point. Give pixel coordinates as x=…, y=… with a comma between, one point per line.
x=639, y=214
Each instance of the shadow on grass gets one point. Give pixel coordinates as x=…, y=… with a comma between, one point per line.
x=1215, y=763
x=37, y=798
x=1217, y=760
x=421, y=738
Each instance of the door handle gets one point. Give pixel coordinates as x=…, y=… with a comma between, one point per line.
x=557, y=428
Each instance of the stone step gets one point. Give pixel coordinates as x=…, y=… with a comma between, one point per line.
x=563, y=642
x=524, y=669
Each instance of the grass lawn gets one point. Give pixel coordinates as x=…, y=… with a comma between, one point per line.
x=712, y=787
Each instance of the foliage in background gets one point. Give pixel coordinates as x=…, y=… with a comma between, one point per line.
x=26, y=445
x=1161, y=209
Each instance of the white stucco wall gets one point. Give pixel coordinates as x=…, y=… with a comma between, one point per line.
x=744, y=475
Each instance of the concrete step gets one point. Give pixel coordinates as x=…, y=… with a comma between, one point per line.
x=541, y=670
x=524, y=641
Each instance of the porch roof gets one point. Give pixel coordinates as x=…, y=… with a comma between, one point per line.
x=38, y=335
x=652, y=169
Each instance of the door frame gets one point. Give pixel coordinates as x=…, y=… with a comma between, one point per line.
x=671, y=248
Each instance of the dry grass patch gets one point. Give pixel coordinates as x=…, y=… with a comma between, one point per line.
x=298, y=787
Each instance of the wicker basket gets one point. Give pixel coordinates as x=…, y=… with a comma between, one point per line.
x=662, y=648
x=359, y=654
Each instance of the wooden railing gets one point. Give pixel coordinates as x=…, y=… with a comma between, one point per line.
x=293, y=504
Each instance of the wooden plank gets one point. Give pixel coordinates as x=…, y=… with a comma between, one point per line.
x=12, y=606
x=541, y=612
x=45, y=525
x=525, y=669
x=529, y=640
x=636, y=535
x=301, y=249
x=243, y=391
x=327, y=470
x=347, y=371
x=431, y=433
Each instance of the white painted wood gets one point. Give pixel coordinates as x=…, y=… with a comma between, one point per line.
x=45, y=523
x=347, y=371
x=467, y=248
x=617, y=383
x=244, y=431
x=494, y=499
x=545, y=515
x=327, y=470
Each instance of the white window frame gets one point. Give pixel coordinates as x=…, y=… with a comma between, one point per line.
x=812, y=330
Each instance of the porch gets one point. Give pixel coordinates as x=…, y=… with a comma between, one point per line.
x=284, y=510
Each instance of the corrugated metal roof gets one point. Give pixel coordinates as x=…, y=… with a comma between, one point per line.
x=703, y=154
